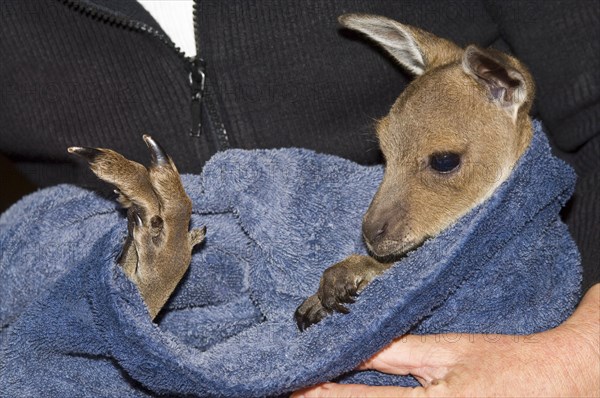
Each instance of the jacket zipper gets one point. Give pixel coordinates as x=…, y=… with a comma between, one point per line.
x=204, y=90
x=200, y=89
x=198, y=83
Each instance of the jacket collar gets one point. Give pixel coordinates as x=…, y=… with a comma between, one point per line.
x=128, y=9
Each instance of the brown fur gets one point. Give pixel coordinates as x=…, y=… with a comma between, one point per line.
x=158, y=249
x=417, y=201
x=471, y=102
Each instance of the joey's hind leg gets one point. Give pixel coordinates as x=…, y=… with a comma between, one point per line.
x=157, y=252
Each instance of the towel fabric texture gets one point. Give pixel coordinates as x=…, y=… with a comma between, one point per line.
x=72, y=324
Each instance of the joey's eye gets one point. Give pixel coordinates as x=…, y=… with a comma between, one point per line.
x=444, y=162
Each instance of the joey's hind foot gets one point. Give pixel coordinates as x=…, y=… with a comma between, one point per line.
x=157, y=252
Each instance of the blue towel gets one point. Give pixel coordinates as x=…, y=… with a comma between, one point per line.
x=73, y=325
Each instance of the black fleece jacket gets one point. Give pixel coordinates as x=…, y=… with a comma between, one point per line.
x=278, y=73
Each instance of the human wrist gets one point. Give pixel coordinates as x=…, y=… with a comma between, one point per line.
x=585, y=321
x=575, y=343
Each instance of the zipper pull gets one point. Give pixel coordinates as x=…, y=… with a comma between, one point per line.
x=197, y=79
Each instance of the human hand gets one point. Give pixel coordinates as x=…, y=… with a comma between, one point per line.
x=564, y=361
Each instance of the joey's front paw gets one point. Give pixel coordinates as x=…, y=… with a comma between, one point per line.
x=311, y=311
x=157, y=252
x=339, y=286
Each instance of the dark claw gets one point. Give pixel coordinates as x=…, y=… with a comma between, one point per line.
x=305, y=321
x=138, y=220
x=158, y=155
x=299, y=321
x=309, y=313
x=90, y=154
x=130, y=220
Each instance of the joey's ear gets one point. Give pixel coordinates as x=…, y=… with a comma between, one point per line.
x=506, y=80
x=413, y=48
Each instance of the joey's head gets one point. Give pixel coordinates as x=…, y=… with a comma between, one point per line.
x=451, y=138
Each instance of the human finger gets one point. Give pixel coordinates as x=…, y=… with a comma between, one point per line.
x=334, y=390
x=411, y=354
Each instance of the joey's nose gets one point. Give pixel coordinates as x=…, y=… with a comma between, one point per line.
x=374, y=231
